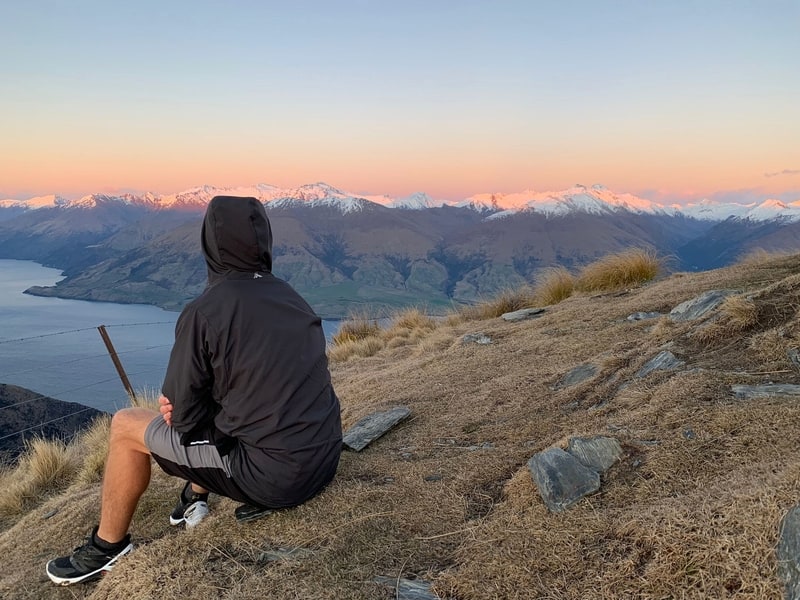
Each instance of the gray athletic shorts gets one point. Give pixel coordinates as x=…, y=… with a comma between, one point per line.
x=199, y=463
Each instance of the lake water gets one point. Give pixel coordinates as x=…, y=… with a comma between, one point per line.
x=52, y=345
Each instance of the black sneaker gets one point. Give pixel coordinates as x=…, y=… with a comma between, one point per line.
x=191, y=507
x=87, y=562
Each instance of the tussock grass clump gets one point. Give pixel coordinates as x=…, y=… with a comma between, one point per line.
x=506, y=301
x=355, y=328
x=94, y=448
x=740, y=311
x=553, y=286
x=146, y=398
x=412, y=319
x=408, y=327
x=45, y=468
x=629, y=268
x=363, y=348
x=736, y=314
x=363, y=337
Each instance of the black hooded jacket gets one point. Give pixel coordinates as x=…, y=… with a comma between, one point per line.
x=248, y=368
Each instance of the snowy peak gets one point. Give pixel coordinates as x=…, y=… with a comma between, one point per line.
x=498, y=201
x=51, y=201
x=595, y=199
x=771, y=209
x=316, y=194
x=764, y=211
x=416, y=201
x=97, y=200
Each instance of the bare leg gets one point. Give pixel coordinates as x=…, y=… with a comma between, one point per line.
x=127, y=473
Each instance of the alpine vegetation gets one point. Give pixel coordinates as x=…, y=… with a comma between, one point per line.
x=580, y=453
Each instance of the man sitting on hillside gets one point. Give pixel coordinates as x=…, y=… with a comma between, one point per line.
x=247, y=410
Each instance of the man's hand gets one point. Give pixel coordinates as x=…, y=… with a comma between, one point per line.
x=165, y=408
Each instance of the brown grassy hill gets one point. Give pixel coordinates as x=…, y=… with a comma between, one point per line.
x=691, y=511
x=20, y=407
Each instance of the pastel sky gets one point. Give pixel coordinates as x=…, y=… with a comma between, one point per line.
x=673, y=100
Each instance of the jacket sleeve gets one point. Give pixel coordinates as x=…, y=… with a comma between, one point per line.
x=189, y=380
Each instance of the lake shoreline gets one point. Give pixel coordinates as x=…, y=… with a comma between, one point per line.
x=50, y=345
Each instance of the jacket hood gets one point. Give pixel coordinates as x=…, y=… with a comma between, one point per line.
x=236, y=236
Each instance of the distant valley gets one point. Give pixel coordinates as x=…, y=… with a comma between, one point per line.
x=347, y=253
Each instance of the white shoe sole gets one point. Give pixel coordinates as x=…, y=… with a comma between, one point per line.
x=192, y=516
x=70, y=580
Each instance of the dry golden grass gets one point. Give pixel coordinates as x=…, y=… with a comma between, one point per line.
x=506, y=301
x=629, y=268
x=94, y=448
x=691, y=511
x=411, y=319
x=364, y=338
x=354, y=329
x=357, y=348
x=147, y=398
x=555, y=285
x=49, y=466
x=736, y=314
x=45, y=468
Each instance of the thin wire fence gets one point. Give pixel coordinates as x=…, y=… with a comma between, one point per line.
x=145, y=364
x=93, y=370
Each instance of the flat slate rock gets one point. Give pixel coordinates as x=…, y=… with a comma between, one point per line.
x=476, y=338
x=373, y=426
x=643, y=316
x=577, y=375
x=276, y=554
x=699, y=306
x=408, y=589
x=788, y=554
x=794, y=357
x=521, y=315
x=562, y=480
x=598, y=453
x=768, y=390
x=663, y=361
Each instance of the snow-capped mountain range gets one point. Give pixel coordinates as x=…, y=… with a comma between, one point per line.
x=593, y=200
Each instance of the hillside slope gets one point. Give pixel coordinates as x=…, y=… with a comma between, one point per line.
x=19, y=407
x=691, y=510
x=374, y=259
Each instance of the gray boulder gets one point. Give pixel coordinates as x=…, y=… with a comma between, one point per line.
x=521, y=315
x=663, y=361
x=373, y=426
x=598, y=453
x=768, y=390
x=562, y=479
x=788, y=554
x=575, y=376
x=643, y=316
x=794, y=357
x=699, y=306
x=407, y=589
x=476, y=338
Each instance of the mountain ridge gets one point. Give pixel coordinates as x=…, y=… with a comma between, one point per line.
x=596, y=198
x=347, y=253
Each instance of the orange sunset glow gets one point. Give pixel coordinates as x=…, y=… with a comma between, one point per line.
x=398, y=100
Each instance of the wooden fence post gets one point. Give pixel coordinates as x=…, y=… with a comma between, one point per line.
x=115, y=359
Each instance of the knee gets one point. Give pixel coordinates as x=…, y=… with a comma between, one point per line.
x=130, y=424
